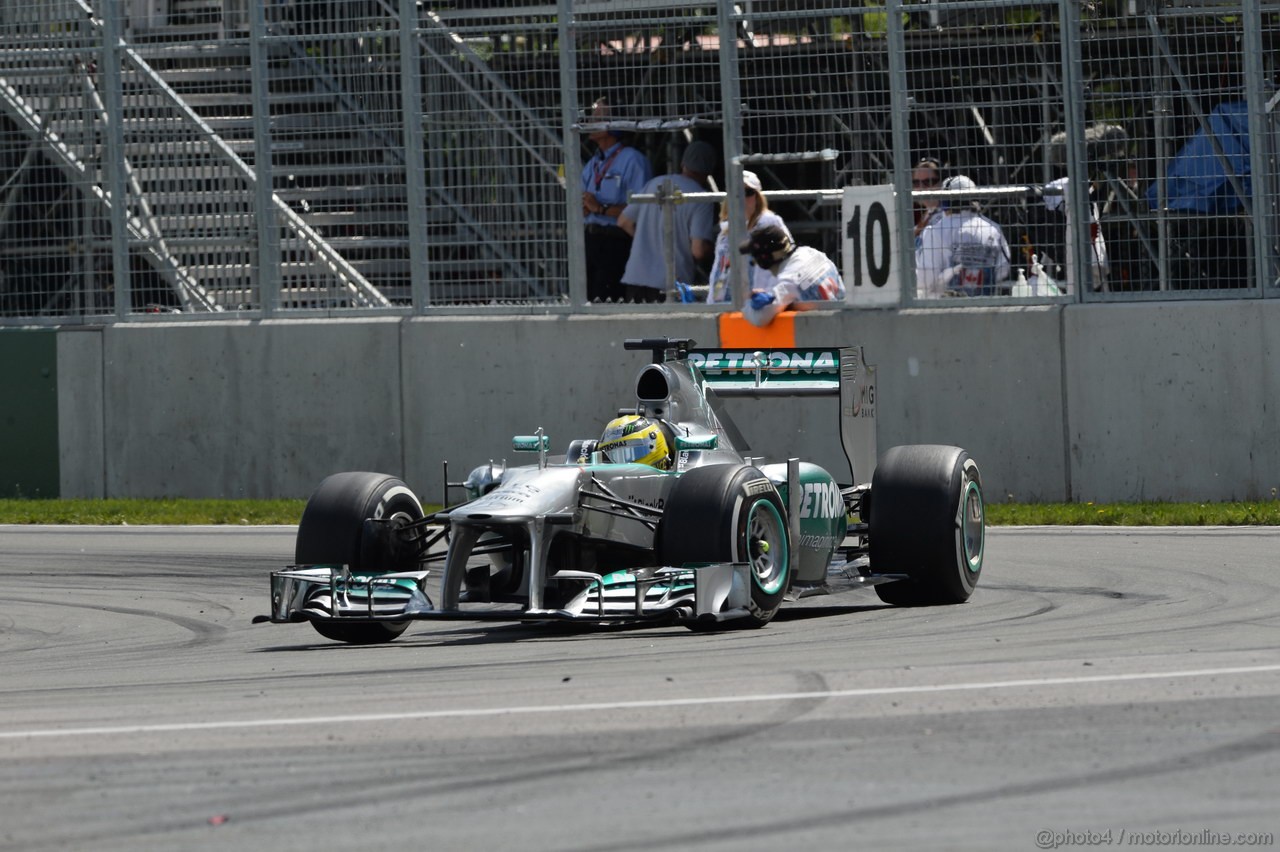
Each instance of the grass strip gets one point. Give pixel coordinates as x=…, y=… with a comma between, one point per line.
x=1263, y=513
x=142, y=512
x=258, y=512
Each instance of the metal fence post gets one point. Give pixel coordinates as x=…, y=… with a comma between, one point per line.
x=667, y=191
x=575, y=236
x=731, y=116
x=1256, y=84
x=414, y=156
x=1077, y=199
x=113, y=159
x=900, y=103
x=267, y=227
x=1161, y=109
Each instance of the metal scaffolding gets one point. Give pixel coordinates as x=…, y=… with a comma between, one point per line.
x=321, y=156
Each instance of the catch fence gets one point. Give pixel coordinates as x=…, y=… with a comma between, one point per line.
x=228, y=157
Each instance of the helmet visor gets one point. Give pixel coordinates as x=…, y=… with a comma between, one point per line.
x=629, y=453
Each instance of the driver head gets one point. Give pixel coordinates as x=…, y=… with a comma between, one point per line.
x=632, y=439
x=768, y=246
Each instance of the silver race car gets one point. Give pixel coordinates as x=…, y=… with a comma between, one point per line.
x=665, y=517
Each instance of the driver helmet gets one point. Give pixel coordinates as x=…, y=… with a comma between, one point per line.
x=632, y=439
x=768, y=246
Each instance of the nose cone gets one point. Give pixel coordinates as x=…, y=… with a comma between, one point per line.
x=525, y=493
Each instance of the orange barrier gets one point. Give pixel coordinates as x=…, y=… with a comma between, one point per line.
x=737, y=333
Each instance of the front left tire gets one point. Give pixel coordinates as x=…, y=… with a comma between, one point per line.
x=332, y=532
x=730, y=513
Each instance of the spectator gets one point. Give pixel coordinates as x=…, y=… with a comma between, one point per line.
x=758, y=216
x=962, y=252
x=1207, y=186
x=693, y=225
x=804, y=276
x=615, y=170
x=927, y=174
x=1198, y=178
x=1057, y=201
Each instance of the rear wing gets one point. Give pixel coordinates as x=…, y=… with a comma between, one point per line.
x=842, y=372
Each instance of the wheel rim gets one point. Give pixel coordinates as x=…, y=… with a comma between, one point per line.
x=767, y=548
x=972, y=526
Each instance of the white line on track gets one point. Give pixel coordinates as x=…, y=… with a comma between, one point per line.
x=632, y=705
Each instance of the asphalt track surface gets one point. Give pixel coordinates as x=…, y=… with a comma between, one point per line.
x=1104, y=687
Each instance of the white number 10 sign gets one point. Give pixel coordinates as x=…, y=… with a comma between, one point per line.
x=870, y=243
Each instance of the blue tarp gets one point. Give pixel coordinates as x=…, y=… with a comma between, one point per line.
x=1197, y=181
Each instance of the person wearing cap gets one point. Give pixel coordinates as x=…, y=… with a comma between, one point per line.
x=693, y=226
x=758, y=216
x=615, y=170
x=804, y=276
x=962, y=252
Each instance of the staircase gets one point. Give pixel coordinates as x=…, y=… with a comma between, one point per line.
x=337, y=164
x=327, y=175
x=190, y=184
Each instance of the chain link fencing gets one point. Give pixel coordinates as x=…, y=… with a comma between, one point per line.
x=313, y=156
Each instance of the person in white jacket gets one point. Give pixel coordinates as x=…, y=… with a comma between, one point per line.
x=962, y=252
x=803, y=276
x=1099, y=268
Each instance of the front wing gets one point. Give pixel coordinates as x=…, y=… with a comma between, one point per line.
x=710, y=592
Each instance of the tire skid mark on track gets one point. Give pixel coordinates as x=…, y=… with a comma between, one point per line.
x=1085, y=591
x=18, y=639
x=204, y=631
x=463, y=671
x=1226, y=754
x=364, y=783
x=649, y=704
x=461, y=776
x=191, y=592
x=1127, y=615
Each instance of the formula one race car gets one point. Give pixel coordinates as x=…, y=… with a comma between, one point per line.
x=663, y=518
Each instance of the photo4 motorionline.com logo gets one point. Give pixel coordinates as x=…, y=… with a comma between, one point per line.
x=1050, y=839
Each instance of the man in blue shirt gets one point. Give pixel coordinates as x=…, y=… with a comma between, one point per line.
x=694, y=230
x=608, y=177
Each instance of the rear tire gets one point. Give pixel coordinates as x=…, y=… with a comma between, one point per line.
x=730, y=513
x=927, y=521
x=331, y=532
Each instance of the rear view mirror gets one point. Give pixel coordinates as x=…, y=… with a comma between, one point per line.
x=530, y=443
x=704, y=442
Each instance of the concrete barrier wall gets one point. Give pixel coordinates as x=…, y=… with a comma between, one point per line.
x=1096, y=402
x=81, y=413
x=249, y=409
x=1174, y=401
x=475, y=382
